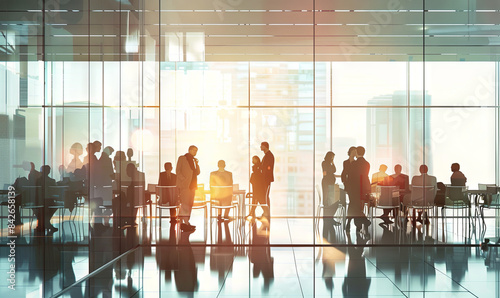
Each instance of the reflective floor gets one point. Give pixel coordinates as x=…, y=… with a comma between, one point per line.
x=287, y=257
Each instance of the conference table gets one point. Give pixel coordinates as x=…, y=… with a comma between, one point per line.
x=241, y=193
x=478, y=196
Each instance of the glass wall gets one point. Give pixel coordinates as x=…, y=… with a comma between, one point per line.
x=227, y=109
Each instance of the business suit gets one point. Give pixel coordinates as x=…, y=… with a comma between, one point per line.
x=360, y=190
x=187, y=170
x=267, y=167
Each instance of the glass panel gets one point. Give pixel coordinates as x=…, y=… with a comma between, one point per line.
x=281, y=83
x=290, y=134
x=369, y=83
x=460, y=83
x=454, y=139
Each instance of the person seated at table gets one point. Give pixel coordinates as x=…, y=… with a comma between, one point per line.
x=379, y=176
x=221, y=177
x=457, y=178
x=168, y=178
x=424, y=179
x=45, y=215
x=401, y=181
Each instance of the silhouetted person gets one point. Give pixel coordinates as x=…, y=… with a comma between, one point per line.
x=76, y=150
x=92, y=177
x=45, y=182
x=187, y=172
x=346, y=177
x=97, y=146
x=259, y=188
x=267, y=168
x=379, y=177
x=401, y=181
x=104, y=184
x=457, y=178
x=130, y=153
x=120, y=163
x=106, y=165
x=422, y=180
x=33, y=174
x=328, y=185
x=361, y=189
x=221, y=177
x=89, y=150
x=170, y=198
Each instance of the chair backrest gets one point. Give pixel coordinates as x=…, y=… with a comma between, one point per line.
x=167, y=194
x=423, y=195
x=199, y=194
x=386, y=196
x=456, y=194
x=31, y=195
x=493, y=197
x=236, y=187
x=58, y=193
x=139, y=195
x=484, y=186
x=220, y=192
x=152, y=188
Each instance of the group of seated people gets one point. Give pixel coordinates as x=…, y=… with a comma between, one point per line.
x=401, y=181
x=116, y=188
x=106, y=184
x=221, y=185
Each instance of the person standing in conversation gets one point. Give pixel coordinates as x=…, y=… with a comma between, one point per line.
x=187, y=173
x=267, y=168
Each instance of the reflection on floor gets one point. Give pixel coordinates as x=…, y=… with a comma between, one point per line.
x=288, y=258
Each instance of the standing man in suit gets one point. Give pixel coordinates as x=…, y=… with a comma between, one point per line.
x=267, y=173
x=347, y=179
x=168, y=178
x=361, y=189
x=187, y=173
